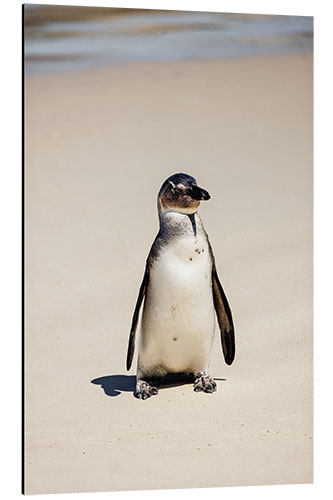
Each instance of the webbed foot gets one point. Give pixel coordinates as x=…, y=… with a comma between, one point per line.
x=204, y=382
x=144, y=390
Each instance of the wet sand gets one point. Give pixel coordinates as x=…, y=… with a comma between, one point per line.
x=98, y=146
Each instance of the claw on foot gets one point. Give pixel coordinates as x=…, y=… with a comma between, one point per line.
x=144, y=391
x=204, y=382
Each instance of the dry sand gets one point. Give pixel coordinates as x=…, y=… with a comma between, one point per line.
x=98, y=146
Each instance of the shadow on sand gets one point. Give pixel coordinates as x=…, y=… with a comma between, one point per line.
x=113, y=385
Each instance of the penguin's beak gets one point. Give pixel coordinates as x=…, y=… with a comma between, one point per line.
x=197, y=193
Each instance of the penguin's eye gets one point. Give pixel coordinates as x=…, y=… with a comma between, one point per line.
x=179, y=190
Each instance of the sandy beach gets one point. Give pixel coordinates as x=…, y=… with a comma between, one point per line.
x=99, y=144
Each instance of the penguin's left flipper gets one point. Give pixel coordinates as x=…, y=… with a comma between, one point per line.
x=131, y=342
x=224, y=318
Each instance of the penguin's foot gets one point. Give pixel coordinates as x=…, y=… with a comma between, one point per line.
x=204, y=382
x=143, y=390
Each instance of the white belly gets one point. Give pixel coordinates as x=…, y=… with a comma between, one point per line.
x=178, y=319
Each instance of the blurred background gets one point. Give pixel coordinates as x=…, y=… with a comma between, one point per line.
x=61, y=38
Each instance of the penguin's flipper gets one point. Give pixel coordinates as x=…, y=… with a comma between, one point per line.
x=131, y=342
x=224, y=318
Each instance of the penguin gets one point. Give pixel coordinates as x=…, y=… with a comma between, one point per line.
x=182, y=294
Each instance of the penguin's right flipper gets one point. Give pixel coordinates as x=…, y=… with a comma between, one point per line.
x=224, y=317
x=131, y=342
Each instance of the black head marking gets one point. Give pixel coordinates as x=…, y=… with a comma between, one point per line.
x=184, y=179
x=180, y=193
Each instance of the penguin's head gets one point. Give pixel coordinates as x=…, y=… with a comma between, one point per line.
x=180, y=193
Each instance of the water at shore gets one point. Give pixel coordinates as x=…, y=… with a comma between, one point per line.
x=59, y=38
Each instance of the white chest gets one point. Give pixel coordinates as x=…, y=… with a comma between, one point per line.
x=183, y=265
x=180, y=290
x=178, y=318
